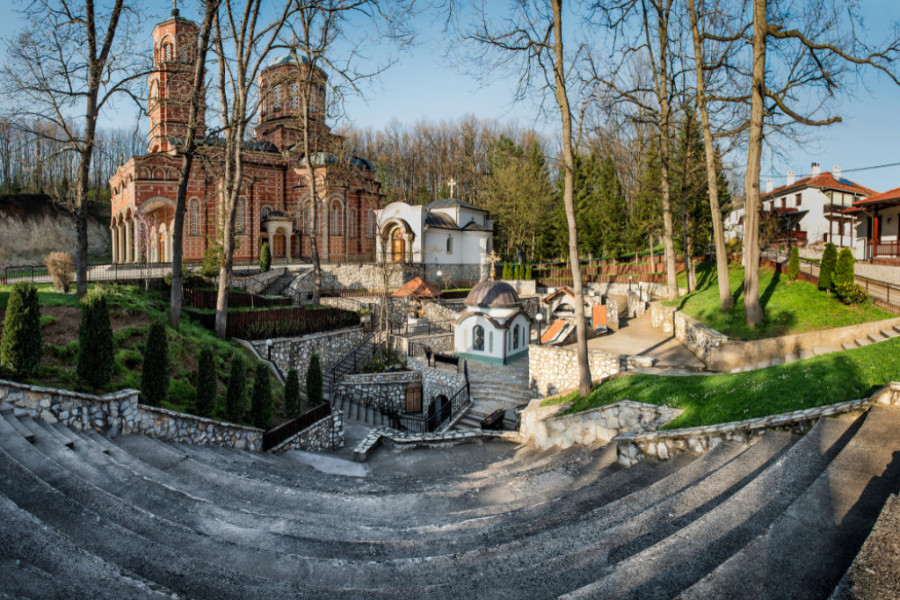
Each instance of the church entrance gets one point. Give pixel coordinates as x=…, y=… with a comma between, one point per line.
x=398, y=247
x=278, y=246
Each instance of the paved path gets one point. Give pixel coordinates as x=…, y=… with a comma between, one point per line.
x=637, y=337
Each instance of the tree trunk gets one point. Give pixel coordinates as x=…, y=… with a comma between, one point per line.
x=752, y=308
x=726, y=301
x=685, y=231
x=584, y=369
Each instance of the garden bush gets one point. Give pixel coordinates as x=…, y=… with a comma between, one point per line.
x=261, y=403
x=826, y=269
x=236, y=393
x=61, y=267
x=793, y=267
x=22, y=343
x=528, y=274
x=265, y=258
x=844, y=271
x=155, y=372
x=96, y=351
x=850, y=293
x=292, y=394
x=206, y=384
x=314, y=381
x=212, y=260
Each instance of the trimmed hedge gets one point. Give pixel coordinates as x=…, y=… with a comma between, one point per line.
x=314, y=381
x=22, y=344
x=292, y=394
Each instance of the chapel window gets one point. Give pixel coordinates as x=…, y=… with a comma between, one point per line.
x=240, y=221
x=351, y=223
x=478, y=344
x=184, y=54
x=515, y=339
x=194, y=218
x=295, y=96
x=276, y=96
x=308, y=219
x=167, y=52
x=336, y=218
x=449, y=245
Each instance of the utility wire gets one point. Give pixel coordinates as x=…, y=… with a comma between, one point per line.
x=856, y=170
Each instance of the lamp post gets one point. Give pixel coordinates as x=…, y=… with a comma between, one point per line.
x=269, y=349
x=539, y=317
x=440, y=274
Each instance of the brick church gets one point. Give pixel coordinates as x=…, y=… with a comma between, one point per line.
x=275, y=205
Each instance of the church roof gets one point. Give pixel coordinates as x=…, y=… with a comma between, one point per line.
x=453, y=203
x=439, y=220
x=497, y=294
x=473, y=226
x=291, y=58
x=418, y=288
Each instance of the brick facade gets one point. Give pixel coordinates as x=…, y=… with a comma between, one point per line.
x=275, y=203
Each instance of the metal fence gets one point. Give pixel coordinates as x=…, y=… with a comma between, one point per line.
x=115, y=272
x=277, y=435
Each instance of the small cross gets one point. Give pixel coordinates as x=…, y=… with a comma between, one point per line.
x=452, y=184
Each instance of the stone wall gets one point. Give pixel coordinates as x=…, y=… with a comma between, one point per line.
x=437, y=311
x=701, y=340
x=436, y=382
x=633, y=447
x=323, y=435
x=646, y=290
x=256, y=283
x=387, y=391
x=456, y=275
x=542, y=425
x=553, y=369
x=662, y=317
x=637, y=306
x=612, y=313
x=119, y=413
x=438, y=342
x=295, y=352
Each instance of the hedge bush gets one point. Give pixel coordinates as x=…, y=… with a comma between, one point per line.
x=844, y=271
x=793, y=267
x=61, y=267
x=22, y=344
x=314, y=381
x=96, y=350
x=261, y=403
x=155, y=372
x=292, y=394
x=236, y=393
x=265, y=258
x=207, y=384
x=826, y=269
x=850, y=293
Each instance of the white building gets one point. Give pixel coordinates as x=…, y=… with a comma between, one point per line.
x=447, y=231
x=494, y=328
x=878, y=227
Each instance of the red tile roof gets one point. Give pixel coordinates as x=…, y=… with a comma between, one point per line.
x=824, y=181
x=888, y=197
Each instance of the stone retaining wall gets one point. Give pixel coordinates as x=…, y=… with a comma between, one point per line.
x=295, y=352
x=633, y=447
x=647, y=289
x=405, y=440
x=701, y=340
x=436, y=382
x=387, y=391
x=323, y=435
x=662, y=317
x=553, y=369
x=541, y=425
x=256, y=283
x=438, y=342
x=612, y=314
x=119, y=413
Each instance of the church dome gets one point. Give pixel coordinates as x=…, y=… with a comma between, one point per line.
x=291, y=58
x=496, y=294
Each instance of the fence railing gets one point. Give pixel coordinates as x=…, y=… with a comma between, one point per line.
x=279, y=322
x=115, y=272
x=409, y=329
x=206, y=299
x=277, y=435
x=439, y=413
x=352, y=361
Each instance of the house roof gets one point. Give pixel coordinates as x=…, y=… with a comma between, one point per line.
x=418, y=288
x=888, y=198
x=452, y=203
x=825, y=181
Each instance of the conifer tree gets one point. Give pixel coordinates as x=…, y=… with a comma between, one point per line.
x=207, y=384
x=826, y=270
x=528, y=274
x=22, y=343
x=793, y=267
x=261, y=403
x=236, y=394
x=155, y=372
x=265, y=258
x=844, y=271
x=292, y=394
x=314, y=381
x=96, y=352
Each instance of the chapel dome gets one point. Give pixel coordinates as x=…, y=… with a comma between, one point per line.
x=497, y=294
x=291, y=58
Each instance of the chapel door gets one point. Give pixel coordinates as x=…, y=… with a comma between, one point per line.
x=278, y=246
x=398, y=249
x=414, y=398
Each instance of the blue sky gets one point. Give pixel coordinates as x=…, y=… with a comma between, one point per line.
x=426, y=84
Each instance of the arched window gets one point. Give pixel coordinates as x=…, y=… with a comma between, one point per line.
x=276, y=98
x=449, y=244
x=478, y=343
x=308, y=219
x=184, y=54
x=515, y=336
x=264, y=103
x=167, y=52
x=264, y=212
x=295, y=96
x=336, y=219
x=154, y=92
x=240, y=219
x=194, y=217
x=351, y=223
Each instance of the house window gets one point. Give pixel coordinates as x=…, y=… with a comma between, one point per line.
x=515, y=339
x=336, y=218
x=799, y=200
x=478, y=332
x=351, y=223
x=784, y=203
x=449, y=244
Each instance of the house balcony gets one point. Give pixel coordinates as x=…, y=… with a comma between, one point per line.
x=887, y=249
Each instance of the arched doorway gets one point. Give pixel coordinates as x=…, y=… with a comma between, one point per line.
x=398, y=245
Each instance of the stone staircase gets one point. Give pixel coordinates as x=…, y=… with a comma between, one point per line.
x=495, y=387
x=136, y=517
x=872, y=338
x=278, y=287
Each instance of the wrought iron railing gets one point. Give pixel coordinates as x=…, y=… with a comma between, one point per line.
x=437, y=416
x=277, y=435
x=424, y=328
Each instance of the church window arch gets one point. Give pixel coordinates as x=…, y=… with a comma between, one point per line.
x=168, y=51
x=478, y=341
x=308, y=219
x=264, y=212
x=240, y=222
x=351, y=223
x=185, y=56
x=144, y=173
x=158, y=173
x=449, y=244
x=337, y=217
x=515, y=337
x=295, y=96
x=194, y=217
x=276, y=98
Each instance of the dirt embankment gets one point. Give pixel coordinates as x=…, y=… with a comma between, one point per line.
x=32, y=226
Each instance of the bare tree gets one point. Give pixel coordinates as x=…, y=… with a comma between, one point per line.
x=64, y=69
x=187, y=149
x=533, y=36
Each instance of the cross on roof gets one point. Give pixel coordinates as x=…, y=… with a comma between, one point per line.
x=452, y=185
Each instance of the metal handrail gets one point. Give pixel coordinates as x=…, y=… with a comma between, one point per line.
x=279, y=434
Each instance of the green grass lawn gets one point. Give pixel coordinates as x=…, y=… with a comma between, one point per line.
x=707, y=400
x=789, y=307
x=132, y=309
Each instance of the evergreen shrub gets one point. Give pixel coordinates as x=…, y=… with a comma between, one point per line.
x=96, y=350
x=206, y=384
x=844, y=271
x=22, y=344
x=155, y=372
x=235, y=394
x=265, y=258
x=528, y=274
x=292, y=394
x=826, y=269
x=850, y=293
x=314, y=381
x=793, y=267
x=261, y=402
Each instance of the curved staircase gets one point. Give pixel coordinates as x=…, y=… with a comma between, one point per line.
x=136, y=517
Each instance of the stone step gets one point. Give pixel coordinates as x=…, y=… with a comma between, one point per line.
x=862, y=342
x=790, y=358
x=804, y=552
x=849, y=345
x=820, y=350
x=889, y=333
x=665, y=568
x=876, y=337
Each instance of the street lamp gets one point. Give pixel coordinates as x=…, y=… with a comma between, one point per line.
x=269, y=349
x=440, y=274
x=539, y=317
